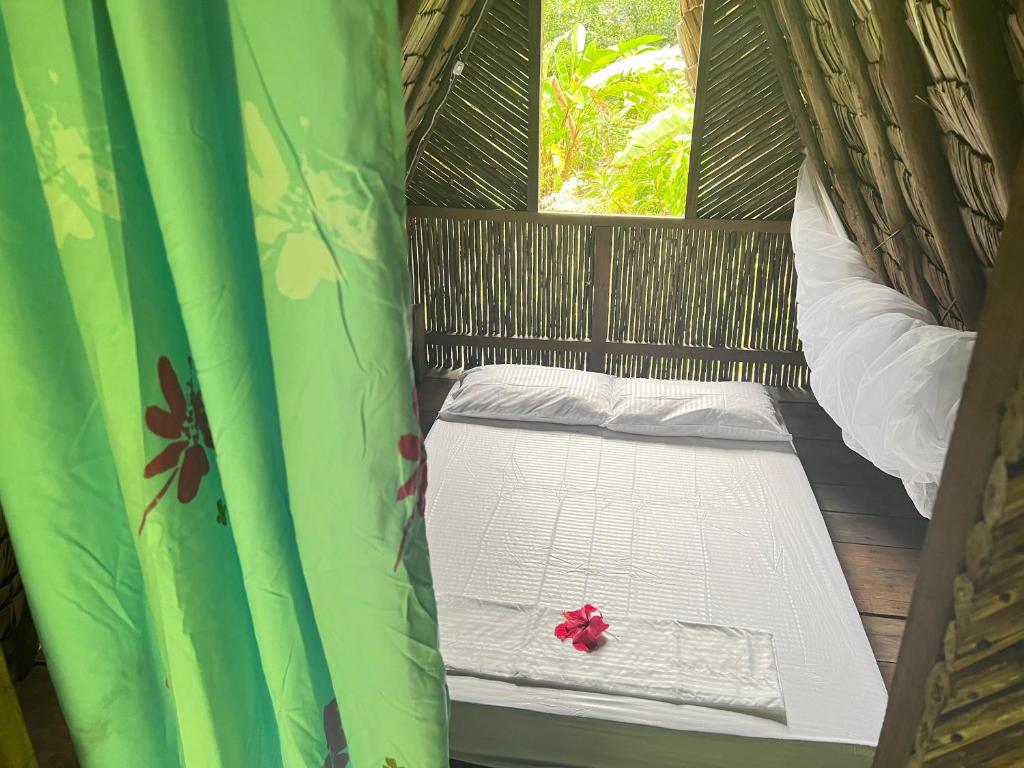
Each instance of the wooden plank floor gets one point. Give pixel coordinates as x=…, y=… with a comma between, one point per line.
x=875, y=528
x=876, y=531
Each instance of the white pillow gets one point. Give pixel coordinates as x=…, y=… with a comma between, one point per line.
x=531, y=393
x=728, y=409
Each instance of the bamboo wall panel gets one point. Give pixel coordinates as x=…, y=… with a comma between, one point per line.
x=476, y=154
x=727, y=290
x=746, y=149
x=505, y=279
x=521, y=278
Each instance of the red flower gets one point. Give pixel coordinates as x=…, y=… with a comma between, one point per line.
x=412, y=448
x=184, y=422
x=584, y=627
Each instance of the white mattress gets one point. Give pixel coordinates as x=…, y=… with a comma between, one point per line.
x=704, y=531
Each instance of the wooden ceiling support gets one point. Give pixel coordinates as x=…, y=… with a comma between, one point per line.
x=535, y=24
x=973, y=447
x=907, y=82
x=868, y=114
x=407, y=10
x=464, y=44
x=833, y=145
x=433, y=62
x=981, y=35
x=791, y=90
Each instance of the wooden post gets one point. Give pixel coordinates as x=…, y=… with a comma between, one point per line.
x=790, y=89
x=536, y=31
x=699, y=106
x=868, y=113
x=601, y=298
x=981, y=36
x=976, y=438
x=904, y=75
x=419, y=341
x=833, y=145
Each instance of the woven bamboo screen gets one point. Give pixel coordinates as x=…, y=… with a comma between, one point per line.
x=522, y=278
x=479, y=277
x=746, y=151
x=476, y=153
x=703, y=288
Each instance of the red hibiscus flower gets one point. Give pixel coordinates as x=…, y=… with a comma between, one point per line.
x=411, y=448
x=584, y=627
x=184, y=423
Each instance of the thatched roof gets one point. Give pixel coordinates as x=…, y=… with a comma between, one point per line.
x=908, y=109
x=472, y=103
x=745, y=150
x=914, y=109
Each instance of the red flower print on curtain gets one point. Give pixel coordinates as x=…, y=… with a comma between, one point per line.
x=184, y=423
x=337, y=752
x=411, y=448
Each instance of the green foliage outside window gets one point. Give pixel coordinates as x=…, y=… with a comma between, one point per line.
x=616, y=109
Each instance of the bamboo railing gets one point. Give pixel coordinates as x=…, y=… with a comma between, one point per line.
x=629, y=295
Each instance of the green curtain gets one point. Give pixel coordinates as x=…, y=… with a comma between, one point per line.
x=210, y=459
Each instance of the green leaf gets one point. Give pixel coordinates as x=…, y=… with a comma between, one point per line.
x=637, y=64
x=675, y=121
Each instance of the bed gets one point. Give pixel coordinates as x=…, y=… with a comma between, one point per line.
x=700, y=529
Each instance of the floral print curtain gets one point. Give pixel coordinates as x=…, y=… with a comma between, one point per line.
x=210, y=459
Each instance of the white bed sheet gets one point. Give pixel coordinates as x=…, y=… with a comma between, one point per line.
x=705, y=531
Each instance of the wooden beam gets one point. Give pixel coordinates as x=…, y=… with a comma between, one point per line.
x=982, y=40
x=868, y=114
x=419, y=341
x=790, y=89
x=535, y=26
x=407, y=10
x=600, y=298
x=907, y=81
x=721, y=354
x=618, y=348
x=833, y=145
x=461, y=47
x=993, y=371
x=433, y=62
x=510, y=342
x=601, y=220
x=700, y=106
